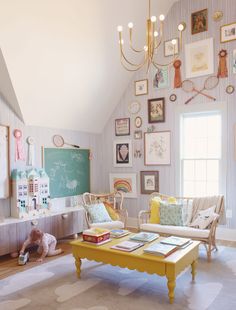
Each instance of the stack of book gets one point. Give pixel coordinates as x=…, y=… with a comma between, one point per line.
x=177, y=241
x=144, y=237
x=118, y=233
x=96, y=236
x=127, y=246
x=160, y=249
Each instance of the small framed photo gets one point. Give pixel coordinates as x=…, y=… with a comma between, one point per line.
x=122, y=126
x=234, y=61
x=156, y=110
x=199, y=21
x=149, y=181
x=161, y=78
x=171, y=49
x=122, y=153
x=138, y=134
x=157, y=148
x=228, y=32
x=141, y=87
x=124, y=182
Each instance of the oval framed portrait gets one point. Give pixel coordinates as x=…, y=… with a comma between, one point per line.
x=230, y=89
x=138, y=122
x=134, y=107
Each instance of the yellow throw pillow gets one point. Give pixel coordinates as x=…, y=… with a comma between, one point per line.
x=113, y=214
x=172, y=200
x=155, y=211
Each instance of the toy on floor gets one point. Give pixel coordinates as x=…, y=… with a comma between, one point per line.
x=23, y=258
x=46, y=244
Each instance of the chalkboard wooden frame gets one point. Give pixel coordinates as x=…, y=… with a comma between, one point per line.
x=7, y=191
x=67, y=187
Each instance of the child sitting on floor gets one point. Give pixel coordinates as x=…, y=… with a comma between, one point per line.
x=46, y=242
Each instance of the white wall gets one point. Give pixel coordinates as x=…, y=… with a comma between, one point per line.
x=43, y=137
x=181, y=11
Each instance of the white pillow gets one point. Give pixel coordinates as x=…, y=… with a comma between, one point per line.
x=204, y=218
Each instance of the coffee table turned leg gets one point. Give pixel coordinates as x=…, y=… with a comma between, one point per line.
x=78, y=263
x=194, y=265
x=171, y=288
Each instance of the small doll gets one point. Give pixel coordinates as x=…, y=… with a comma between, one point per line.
x=46, y=242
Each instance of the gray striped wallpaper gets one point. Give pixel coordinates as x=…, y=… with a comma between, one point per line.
x=181, y=11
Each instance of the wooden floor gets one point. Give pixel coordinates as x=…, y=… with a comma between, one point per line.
x=9, y=266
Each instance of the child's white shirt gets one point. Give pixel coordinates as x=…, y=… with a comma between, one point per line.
x=45, y=242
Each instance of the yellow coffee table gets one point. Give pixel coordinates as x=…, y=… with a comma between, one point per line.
x=170, y=266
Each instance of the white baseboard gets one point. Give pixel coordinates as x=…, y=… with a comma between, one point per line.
x=221, y=233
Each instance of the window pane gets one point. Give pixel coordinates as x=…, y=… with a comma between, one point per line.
x=213, y=170
x=189, y=189
x=188, y=171
x=200, y=170
x=212, y=188
x=201, y=148
x=200, y=188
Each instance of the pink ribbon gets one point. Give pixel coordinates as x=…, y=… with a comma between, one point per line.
x=19, y=149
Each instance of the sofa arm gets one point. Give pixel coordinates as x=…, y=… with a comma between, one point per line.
x=123, y=213
x=142, y=217
x=213, y=226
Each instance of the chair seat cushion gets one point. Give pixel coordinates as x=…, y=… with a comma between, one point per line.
x=182, y=231
x=109, y=225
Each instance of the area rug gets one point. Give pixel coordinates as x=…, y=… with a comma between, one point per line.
x=54, y=285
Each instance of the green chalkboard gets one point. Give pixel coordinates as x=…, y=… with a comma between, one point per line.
x=68, y=170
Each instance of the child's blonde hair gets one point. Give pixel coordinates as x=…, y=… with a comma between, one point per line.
x=36, y=234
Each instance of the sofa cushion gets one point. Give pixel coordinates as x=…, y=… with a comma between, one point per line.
x=109, y=225
x=171, y=214
x=155, y=210
x=182, y=231
x=98, y=213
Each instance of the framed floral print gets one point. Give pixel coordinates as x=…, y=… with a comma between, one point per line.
x=149, y=181
x=157, y=148
x=122, y=153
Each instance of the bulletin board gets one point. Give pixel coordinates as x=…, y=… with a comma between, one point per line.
x=4, y=162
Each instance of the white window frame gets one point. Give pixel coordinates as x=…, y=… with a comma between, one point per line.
x=220, y=107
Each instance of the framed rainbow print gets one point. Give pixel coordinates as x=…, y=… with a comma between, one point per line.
x=124, y=182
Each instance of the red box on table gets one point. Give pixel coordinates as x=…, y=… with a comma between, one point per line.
x=96, y=235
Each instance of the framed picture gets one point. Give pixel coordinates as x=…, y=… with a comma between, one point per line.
x=171, y=49
x=161, y=78
x=149, y=181
x=122, y=126
x=138, y=122
x=228, y=33
x=199, y=21
x=122, y=153
x=141, y=87
x=199, y=58
x=156, y=110
x=138, y=134
x=124, y=182
x=157, y=148
x=234, y=61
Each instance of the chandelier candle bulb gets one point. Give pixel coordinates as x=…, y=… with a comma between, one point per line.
x=162, y=17
x=119, y=28
x=153, y=19
x=130, y=25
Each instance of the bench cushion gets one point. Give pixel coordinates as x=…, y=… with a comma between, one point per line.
x=109, y=225
x=182, y=231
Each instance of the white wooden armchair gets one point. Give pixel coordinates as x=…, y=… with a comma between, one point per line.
x=206, y=236
x=115, y=200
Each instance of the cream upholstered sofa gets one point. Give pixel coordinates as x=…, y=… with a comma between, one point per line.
x=115, y=201
x=206, y=236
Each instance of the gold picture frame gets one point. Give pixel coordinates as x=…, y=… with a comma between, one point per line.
x=228, y=32
x=141, y=87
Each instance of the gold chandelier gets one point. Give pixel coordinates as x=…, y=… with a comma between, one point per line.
x=154, y=37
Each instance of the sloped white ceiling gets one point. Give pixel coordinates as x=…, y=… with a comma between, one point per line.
x=63, y=58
